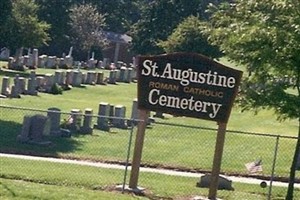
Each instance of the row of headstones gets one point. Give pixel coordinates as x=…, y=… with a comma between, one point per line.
x=18, y=87
x=33, y=60
x=70, y=77
x=37, y=126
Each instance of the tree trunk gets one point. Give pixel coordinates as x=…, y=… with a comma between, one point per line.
x=289, y=195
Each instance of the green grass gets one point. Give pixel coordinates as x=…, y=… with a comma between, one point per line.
x=46, y=180
x=19, y=189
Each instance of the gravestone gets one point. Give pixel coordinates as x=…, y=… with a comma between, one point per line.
x=112, y=77
x=18, y=62
x=61, y=63
x=224, y=183
x=10, y=63
x=51, y=62
x=76, y=116
x=59, y=77
x=31, y=87
x=100, y=65
x=26, y=60
x=134, y=113
x=40, y=82
x=54, y=114
x=105, y=63
x=49, y=82
x=83, y=78
x=117, y=75
x=32, y=84
x=91, y=78
x=5, y=89
x=103, y=117
x=4, y=53
x=15, y=92
x=33, y=59
x=34, y=129
x=42, y=60
x=128, y=78
x=91, y=63
x=87, y=121
x=123, y=74
x=69, y=77
x=22, y=85
x=17, y=83
x=159, y=114
x=68, y=60
x=119, y=118
x=32, y=74
x=16, y=88
x=100, y=78
x=76, y=82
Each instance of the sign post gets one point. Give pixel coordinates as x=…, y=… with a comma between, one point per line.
x=185, y=84
x=214, y=181
x=138, y=147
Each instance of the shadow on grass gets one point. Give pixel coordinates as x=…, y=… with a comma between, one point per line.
x=8, y=142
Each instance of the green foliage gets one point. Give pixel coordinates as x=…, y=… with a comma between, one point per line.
x=23, y=28
x=87, y=27
x=265, y=37
x=188, y=37
x=56, y=13
x=5, y=14
x=157, y=22
x=56, y=89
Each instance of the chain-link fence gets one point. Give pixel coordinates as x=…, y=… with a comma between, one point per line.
x=173, y=159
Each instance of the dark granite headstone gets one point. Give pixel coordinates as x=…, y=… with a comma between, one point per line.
x=224, y=183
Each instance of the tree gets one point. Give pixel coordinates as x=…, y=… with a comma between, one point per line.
x=188, y=37
x=121, y=14
x=56, y=13
x=87, y=25
x=157, y=22
x=23, y=28
x=5, y=14
x=264, y=36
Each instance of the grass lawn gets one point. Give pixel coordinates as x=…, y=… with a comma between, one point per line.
x=19, y=189
x=32, y=180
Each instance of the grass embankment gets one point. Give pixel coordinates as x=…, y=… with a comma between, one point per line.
x=46, y=180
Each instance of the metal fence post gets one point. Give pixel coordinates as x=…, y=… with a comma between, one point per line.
x=128, y=154
x=273, y=167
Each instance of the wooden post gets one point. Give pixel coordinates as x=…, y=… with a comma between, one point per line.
x=214, y=181
x=138, y=148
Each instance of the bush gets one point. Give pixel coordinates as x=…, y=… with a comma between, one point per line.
x=56, y=89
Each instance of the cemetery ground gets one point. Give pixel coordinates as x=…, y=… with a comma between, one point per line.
x=166, y=145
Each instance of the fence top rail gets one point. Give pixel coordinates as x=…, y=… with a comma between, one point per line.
x=229, y=131
x=67, y=113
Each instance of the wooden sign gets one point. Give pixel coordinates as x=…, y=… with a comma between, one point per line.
x=187, y=84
